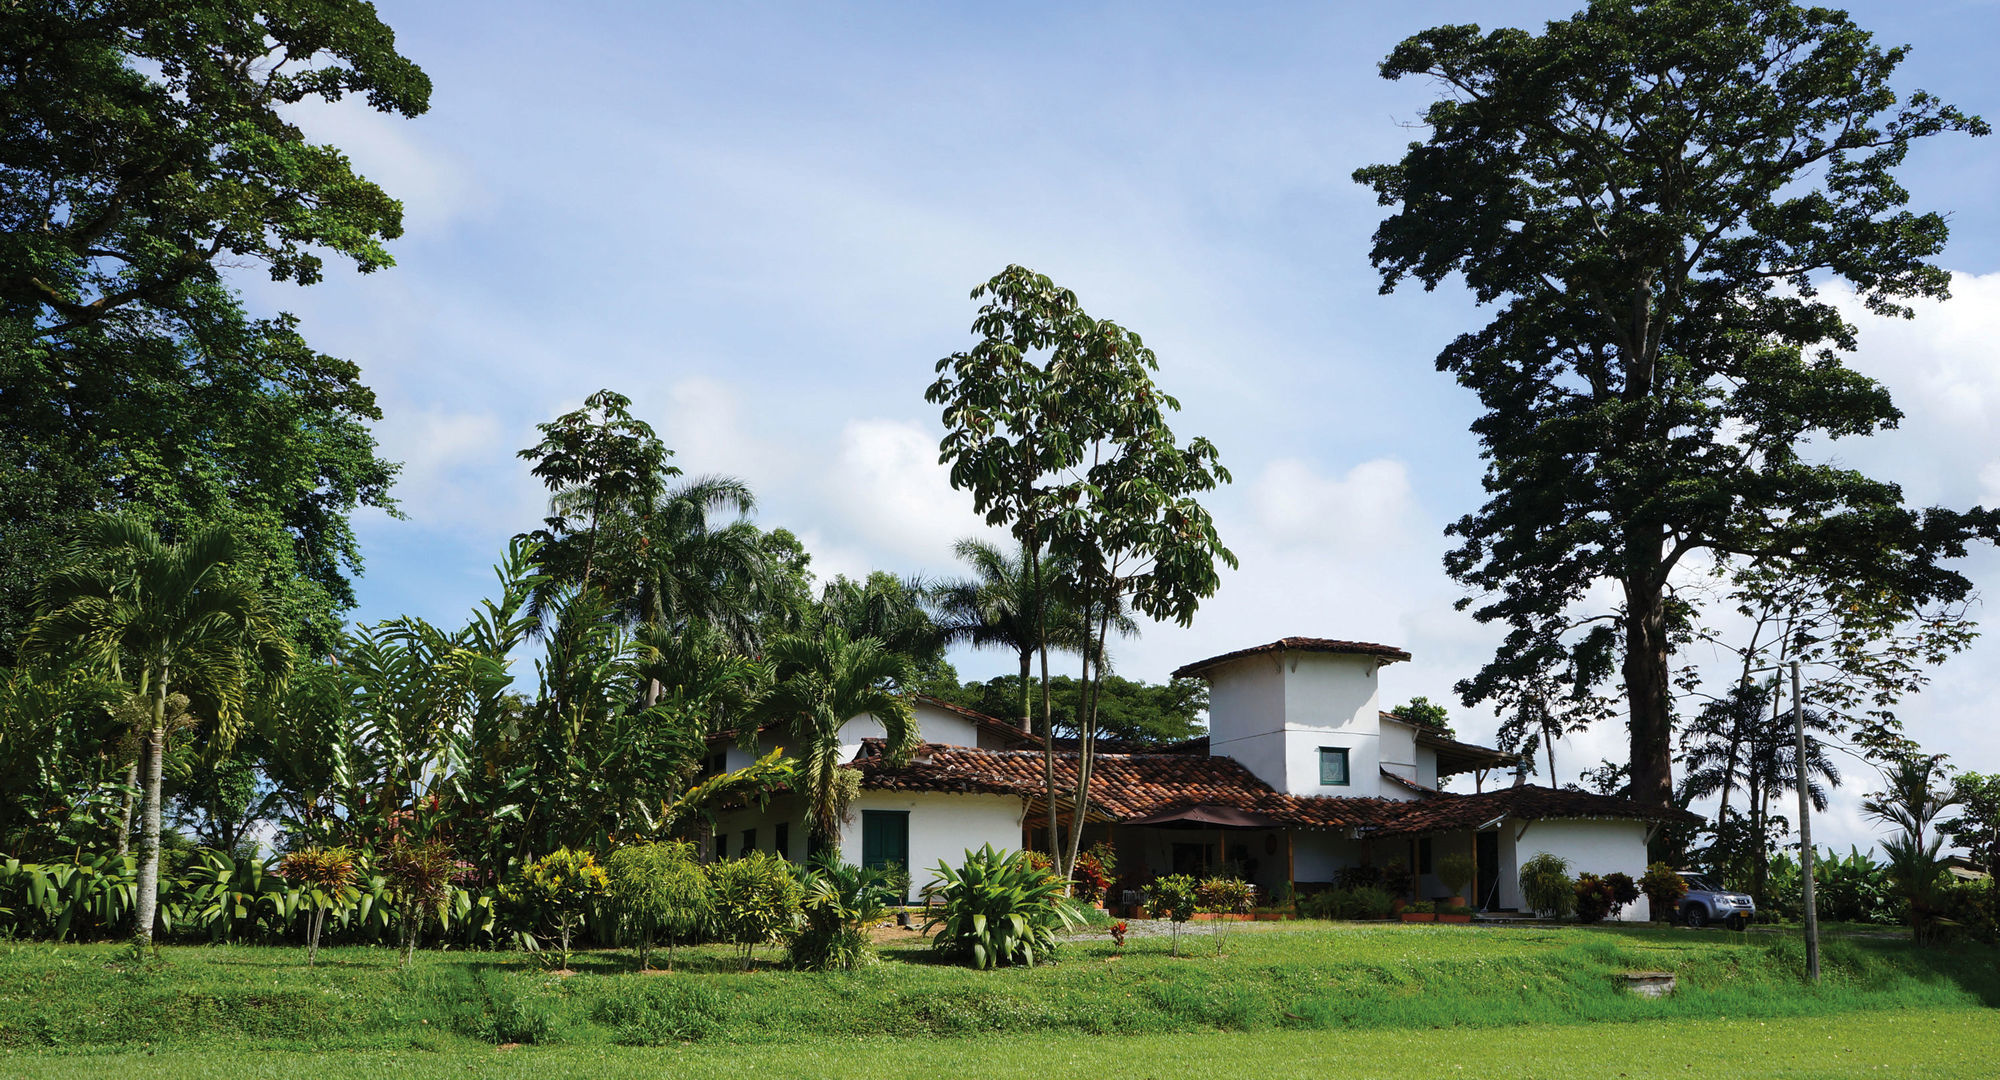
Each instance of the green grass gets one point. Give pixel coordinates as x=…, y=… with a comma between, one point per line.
x=1933, y=1045
x=1277, y=981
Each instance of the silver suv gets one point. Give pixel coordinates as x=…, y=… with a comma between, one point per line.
x=1705, y=903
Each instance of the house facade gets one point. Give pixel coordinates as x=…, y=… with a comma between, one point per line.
x=1301, y=776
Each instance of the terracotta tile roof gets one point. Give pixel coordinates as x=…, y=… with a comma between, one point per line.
x=1128, y=786
x=1296, y=644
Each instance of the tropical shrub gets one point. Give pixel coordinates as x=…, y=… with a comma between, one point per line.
x=1855, y=888
x=232, y=898
x=1546, y=887
x=1088, y=878
x=1360, y=877
x=1597, y=899
x=420, y=873
x=1664, y=890
x=755, y=898
x=1921, y=880
x=660, y=892
x=562, y=884
x=325, y=880
x=841, y=901
x=997, y=909
x=1969, y=910
x=89, y=898
x=1455, y=872
x=1361, y=903
x=1178, y=897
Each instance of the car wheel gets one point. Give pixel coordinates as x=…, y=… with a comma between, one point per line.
x=1695, y=916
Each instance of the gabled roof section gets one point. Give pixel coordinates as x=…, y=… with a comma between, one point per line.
x=992, y=725
x=1384, y=653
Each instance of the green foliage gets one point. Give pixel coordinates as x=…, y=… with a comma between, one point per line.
x=997, y=909
x=1176, y=896
x=154, y=147
x=1663, y=889
x=661, y=892
x=841, y=901
x=1546, y=886
x=1659, y=352
x=1455, y=872
x=756, y=897
x=1094, y=872
x=1598, y=898
x=1224, y=895
x=1129, y=711
x=1359, y=902
x=1854, y=888
x=1424, y=712
x=821, y=682
x=564, y=884
x=420, y=872
x=1977, y=826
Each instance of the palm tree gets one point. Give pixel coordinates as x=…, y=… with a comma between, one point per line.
x=1916, y=795
x=823, y=681
x=995, y=609
x=169, y=621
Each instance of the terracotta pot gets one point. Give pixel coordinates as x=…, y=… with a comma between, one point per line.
x=1456, y=901
x=1221, y=916
x=1455, y=918
x=1396, y=906
x=1419, y=916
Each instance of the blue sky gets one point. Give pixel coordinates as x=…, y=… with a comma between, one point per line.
x=762, y=223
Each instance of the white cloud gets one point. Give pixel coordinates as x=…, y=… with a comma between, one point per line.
x=885, y=484
x=1368, y=505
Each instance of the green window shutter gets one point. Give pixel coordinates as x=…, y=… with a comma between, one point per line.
x=885, y=838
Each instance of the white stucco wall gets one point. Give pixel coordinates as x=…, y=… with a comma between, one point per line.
x=1246, y=716
x=942, y=827
x=1273, y=714
x=1591, y=846
x=1398, y=751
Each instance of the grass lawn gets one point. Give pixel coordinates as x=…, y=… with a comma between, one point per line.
x=1270, y=999
x=1927, y=1044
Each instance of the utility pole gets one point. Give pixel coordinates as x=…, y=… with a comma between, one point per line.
x=1805, y=832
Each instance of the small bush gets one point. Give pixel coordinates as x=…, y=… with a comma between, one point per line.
x=562, y=884
x=1455, y=872
x=1362, y=903
x=1546, y=887
x=755, y=898
x=1664, y=890
x=660, y=892
x=661, y=1012
x=1358, y=877
x=841, y=900
x=1178, y=897
x=997, y=909
x=1599, y=898
x=1224, y=895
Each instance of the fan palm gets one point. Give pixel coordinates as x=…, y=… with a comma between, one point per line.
x=824, y=680
x=168, y=620
x=996, y=609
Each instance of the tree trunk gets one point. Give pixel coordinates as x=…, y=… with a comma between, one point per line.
x=125, y=813
x=1027, y=698
x=145, y=908
x=1648, y=684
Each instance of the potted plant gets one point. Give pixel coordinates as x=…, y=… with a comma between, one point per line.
x=1455, y=872
x=1454, y=913
x=1421, y=911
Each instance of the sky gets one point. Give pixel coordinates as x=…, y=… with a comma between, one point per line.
x=762, y=223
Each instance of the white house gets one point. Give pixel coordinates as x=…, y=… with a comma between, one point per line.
x=1300, y=775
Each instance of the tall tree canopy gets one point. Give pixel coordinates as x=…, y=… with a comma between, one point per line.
x=147, y=146
x=1654, y=193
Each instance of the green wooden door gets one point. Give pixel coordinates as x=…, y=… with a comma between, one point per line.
x=885, y=838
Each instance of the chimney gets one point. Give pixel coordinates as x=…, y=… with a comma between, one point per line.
x=1520, y=772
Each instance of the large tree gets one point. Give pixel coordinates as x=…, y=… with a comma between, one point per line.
x=1654, y=194
x=148, y=147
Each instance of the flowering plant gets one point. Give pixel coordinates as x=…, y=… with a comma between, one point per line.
x=1118, y=933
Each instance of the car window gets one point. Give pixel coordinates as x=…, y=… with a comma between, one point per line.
x=1697, y=883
